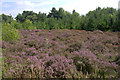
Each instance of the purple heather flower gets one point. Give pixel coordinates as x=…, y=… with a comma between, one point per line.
x=34, y=51
x=23, y=53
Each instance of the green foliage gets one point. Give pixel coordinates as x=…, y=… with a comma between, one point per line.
x=118, y=16
x=6, y=18
x=41, y=17
x=16, y=24
x=0, y=30
x=102, y=19
x=26, y=15
x=27, y=25
x=106, y=19
x=9, y=33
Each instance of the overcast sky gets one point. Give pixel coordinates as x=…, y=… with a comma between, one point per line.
x=14, y=7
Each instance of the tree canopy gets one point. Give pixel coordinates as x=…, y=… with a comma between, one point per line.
x=105, y=19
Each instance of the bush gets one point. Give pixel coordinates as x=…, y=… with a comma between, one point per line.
x=58, y=67
x=9, y=33
x=27, y=25
x=16, y=24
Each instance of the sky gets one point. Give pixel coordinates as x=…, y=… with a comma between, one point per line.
x=119, y=5
x=13, y=7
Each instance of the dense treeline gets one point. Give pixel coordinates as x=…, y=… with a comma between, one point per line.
x=106, y=19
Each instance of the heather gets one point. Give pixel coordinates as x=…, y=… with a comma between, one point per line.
x=62, y=54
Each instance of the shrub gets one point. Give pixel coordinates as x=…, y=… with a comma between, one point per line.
x=58, y=67
x=9, y=33
x=16, y=25
x=27, y=25
x=83, y=61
